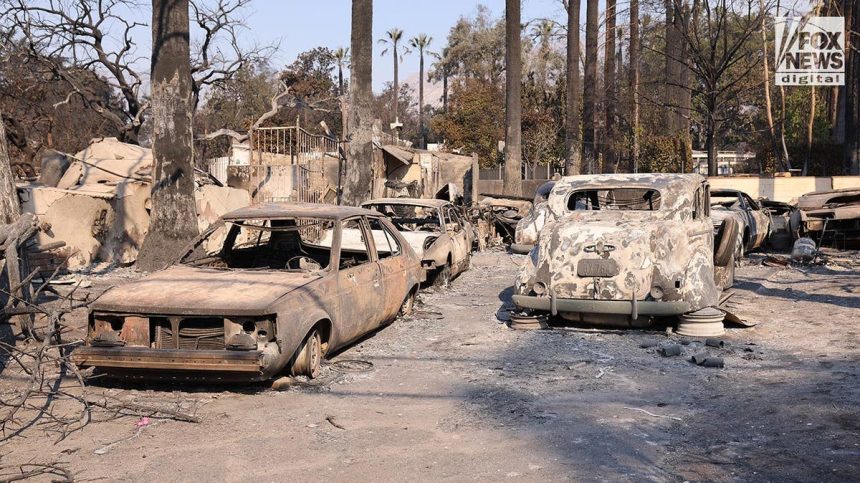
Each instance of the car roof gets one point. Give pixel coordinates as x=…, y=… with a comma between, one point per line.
x=653, y=180
x=297, y=210
x=430, y=203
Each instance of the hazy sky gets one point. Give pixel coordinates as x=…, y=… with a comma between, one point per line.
x=302, y=25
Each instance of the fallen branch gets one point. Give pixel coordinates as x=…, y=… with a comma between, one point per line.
x=649, y=413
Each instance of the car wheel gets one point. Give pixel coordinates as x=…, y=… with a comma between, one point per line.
x=309, y=360
x=727, y=242
x=408, y=304
x=443, y=277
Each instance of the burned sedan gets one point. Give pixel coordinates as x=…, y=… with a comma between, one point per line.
x=623, y=249
x=269, y=288
x=753, y=220
x=437, y=232
x=832, y=218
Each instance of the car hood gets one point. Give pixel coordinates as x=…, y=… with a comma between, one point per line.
x=416, y=240
x=183, y=290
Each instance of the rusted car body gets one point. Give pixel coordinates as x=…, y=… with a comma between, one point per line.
x=831, y=218
x=269, y=288
x=754, y=221
x=436, y=231
x=622, y=249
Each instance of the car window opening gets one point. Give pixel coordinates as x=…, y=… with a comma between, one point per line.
x=300, y=244
x=618, y=199
x=410, y=217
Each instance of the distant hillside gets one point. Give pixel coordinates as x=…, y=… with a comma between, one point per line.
x=432, y=91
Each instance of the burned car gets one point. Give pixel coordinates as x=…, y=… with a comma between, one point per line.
x=439, y=234
x=623, y=249
x=528, y=228
x=267, y=289
x=754, y=221
x=502, y=213
x=832, y=218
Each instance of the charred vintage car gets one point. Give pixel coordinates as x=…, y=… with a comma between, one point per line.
x=267, y=289
x=754, y=222
x=831, y=218
x=624, y=249
x=439, y=234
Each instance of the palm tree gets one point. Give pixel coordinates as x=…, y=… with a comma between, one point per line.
x=441, y=71
x=392, y=39
x=574, y=91
x=341, y=56
x=420, y=43
x=589, y=95
x=513, y=103
x=358, y=172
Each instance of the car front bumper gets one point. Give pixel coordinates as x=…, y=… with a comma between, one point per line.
x=172, y=364
x=633, y=308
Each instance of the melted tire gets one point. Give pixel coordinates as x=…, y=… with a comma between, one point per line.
x=727, y=237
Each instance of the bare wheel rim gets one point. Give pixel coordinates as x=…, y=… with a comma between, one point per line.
x=314, y=355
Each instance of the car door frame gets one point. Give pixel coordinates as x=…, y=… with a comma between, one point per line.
x=360, y=307
x=393, y=269
x=460, y=248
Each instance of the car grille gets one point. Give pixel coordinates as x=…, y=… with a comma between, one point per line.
x=193, y=334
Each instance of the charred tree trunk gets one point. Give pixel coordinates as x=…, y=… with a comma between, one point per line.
x=589, y=94
x=9, y=207
x=513, y=102
x=421, y=132
x=852, y=87
x=609, y=87
x=359, y=174
x=173, y=219
x=635, y=52
x=572, y=137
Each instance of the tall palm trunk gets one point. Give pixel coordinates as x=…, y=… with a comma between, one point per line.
x=173, y=219
x=635, y=51
x=609, y=86
x=396, y=83
x=513, y=102
x=421, y=133
x=359, y=168
x=574, y=92
x=590, y=88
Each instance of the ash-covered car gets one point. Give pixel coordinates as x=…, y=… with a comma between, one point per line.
x=528, y=228
x=439, y=234
x=832, y=218
x=267, y=289
x=754, y=222
x=623, y=249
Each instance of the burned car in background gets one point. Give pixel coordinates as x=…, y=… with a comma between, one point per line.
x=623, y=249
x=439, y=234
x=528, y=228
x=831, y=218
x=754, y=221
x=268, y=288
x=498, y=216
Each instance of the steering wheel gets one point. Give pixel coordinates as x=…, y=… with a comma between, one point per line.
x=302, y=262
